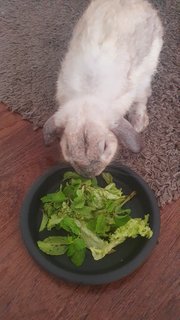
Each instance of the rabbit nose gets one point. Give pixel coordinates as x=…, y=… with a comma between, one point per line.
x=87, y=175
x=84, y=172
x=80, y=164
x=87, y=169
x=94, y=162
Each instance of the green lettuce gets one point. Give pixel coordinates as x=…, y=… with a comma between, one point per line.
x=91, y=217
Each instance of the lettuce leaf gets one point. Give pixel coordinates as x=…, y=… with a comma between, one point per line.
x=90, y=216
x=55, y=245
x=133, y=228
x=44, y=222
x=76, y=251
x=89, y=237
x=58, y=245
x=54, y=197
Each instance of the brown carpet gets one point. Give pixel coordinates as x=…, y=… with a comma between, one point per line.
x=33, y=39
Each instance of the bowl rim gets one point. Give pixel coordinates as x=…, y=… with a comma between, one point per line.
x=100, y=278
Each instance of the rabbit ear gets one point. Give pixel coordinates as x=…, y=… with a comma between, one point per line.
x=52, y=129
x=124, y=132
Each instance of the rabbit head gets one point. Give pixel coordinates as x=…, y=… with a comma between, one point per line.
x=89, y=146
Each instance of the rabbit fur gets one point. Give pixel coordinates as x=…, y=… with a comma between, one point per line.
x=104, y=83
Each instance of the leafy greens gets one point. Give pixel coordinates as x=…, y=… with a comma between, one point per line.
x=90, y=216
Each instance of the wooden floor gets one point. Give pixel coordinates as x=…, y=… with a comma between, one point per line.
x=29, y=293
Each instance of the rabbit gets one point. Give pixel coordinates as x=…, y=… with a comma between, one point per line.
x=104, y=83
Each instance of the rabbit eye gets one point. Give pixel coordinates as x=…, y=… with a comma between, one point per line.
x=105, y=146
x=67, y=147
x=102, y=146
x=86, y=143
x=85, y=138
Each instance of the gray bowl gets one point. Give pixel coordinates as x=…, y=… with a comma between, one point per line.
x=128, y=256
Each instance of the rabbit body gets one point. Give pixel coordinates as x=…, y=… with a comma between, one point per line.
x=105, y=75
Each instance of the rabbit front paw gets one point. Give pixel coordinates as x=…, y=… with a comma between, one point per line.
x=139, y=120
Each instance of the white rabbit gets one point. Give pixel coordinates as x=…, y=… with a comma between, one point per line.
x=106, y=75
